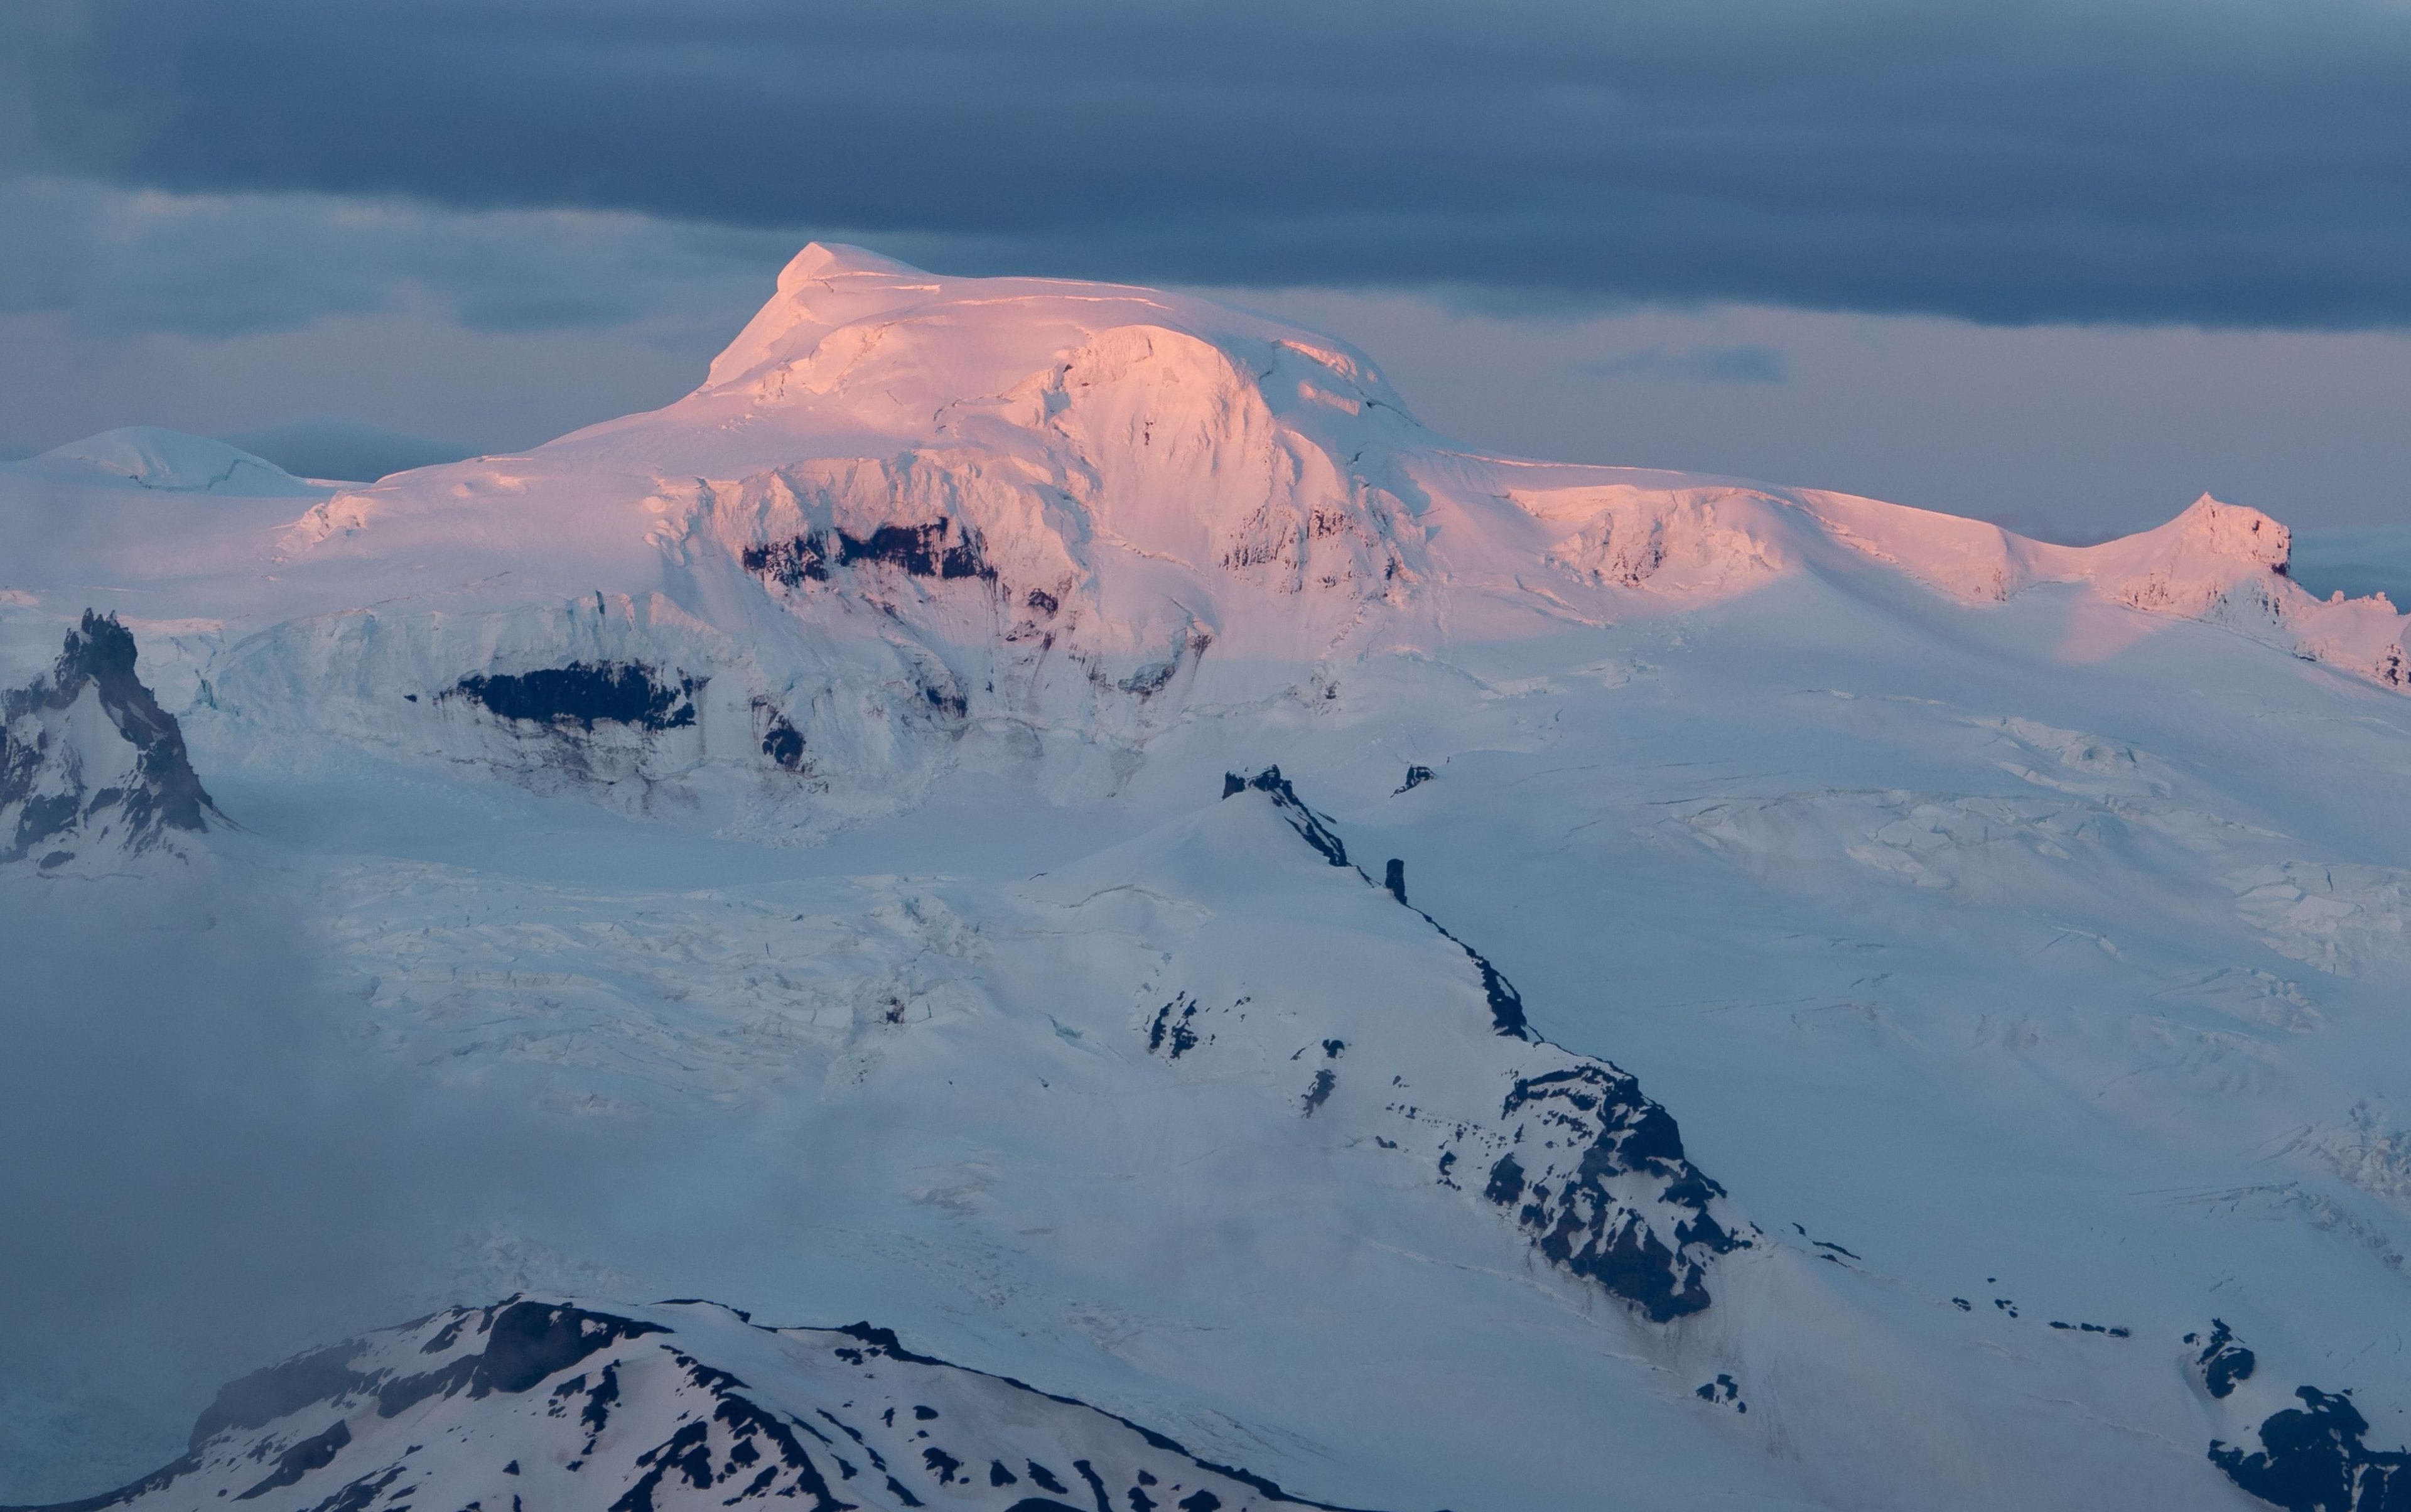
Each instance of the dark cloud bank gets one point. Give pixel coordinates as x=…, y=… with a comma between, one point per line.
x=2206, y=162
x=339, y=446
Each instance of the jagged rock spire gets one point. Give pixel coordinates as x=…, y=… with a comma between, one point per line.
x=89, y=762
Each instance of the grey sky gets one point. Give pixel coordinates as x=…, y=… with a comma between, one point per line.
x=2063, y=263
x=2225, y=161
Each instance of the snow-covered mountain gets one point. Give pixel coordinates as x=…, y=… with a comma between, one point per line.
x=537, y=1403
x=91, y=769
x=1067, y=820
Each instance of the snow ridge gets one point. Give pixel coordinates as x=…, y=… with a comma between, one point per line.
x=548, y=1403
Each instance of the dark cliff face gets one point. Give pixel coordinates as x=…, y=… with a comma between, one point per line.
x=583, y=694
x=67, y=783
x=922, y=551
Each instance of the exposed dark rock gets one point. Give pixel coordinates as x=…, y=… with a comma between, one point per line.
x=1147, y=680
x=526, y=1342
x=2223, y=1362
x=265, y=1395
x=2311, y=1458
x=1506, y=1003
x=686, y=1454
x=530, y=1341
x=1394, y=878
x=1173, y=1026
x=1416, y=777
x=1046, y=1478
x=1151, y=680
x=1319, y=1092
x=1310, y=824
x=1722, y=1392
x=920, y=550
x=782, y=742
x=1592, y=1111
x=59, y=799
x=1598, y=1110
x=316, y=1452
x=946, y=700
x=789, y=563
x=585, y=693
x=363, y=1494
x=942, y=1464
x=1506, y=1184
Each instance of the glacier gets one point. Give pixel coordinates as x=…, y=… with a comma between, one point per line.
x=1060, y=818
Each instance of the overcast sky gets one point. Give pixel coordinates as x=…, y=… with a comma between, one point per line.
x=2064, y=265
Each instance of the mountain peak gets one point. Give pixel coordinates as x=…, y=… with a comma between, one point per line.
x=89, y=762
x=2234, y=531
x=827, y=286
x=892, y=345
x=840, y=259
x=153, y=457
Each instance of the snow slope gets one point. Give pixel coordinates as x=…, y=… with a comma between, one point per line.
x=1070, y=822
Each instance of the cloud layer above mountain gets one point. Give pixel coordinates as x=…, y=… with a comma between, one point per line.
x=2219, y=162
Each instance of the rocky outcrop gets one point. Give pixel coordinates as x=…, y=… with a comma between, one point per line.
x=2223, y=1362
x=2312, y=1459
x=1595, y=1173
x=535, y=1403
x=1592, y=1172
x=90, y=765
x=583, y=694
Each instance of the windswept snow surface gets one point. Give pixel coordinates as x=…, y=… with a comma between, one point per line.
x=1734, y=997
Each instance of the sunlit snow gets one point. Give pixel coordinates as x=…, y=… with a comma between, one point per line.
x=835, y=795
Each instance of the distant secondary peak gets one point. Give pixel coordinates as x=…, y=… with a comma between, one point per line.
x=171, y=461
